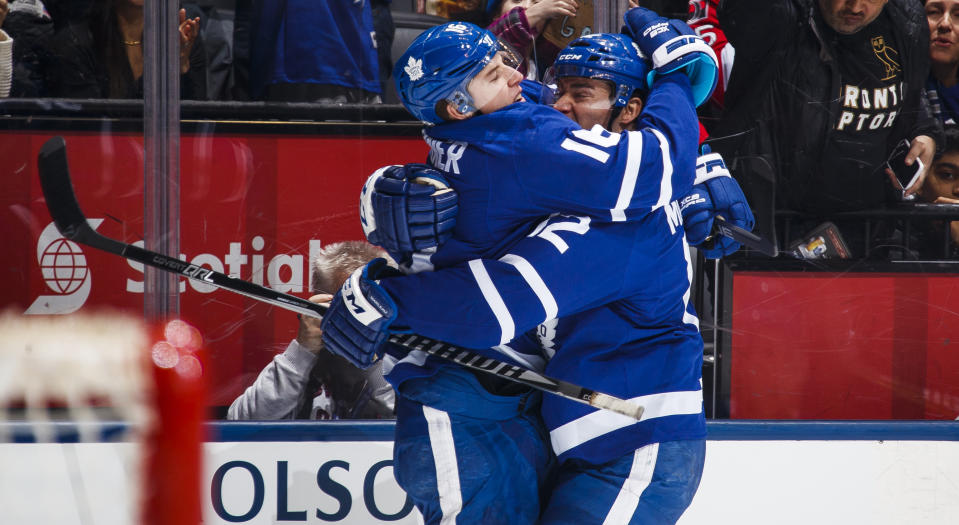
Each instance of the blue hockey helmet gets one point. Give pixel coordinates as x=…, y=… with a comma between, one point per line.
x=605, y=56
x=439, y=64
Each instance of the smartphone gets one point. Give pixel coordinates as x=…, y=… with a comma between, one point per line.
x=906, y=176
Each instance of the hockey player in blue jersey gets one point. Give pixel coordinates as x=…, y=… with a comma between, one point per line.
x=591, y=71
x=585, y=83
x=642, y=166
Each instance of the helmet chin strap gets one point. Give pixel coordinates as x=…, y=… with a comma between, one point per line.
x=462, y=101
x=613, y=115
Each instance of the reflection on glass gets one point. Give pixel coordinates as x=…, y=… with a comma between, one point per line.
x=287, y=111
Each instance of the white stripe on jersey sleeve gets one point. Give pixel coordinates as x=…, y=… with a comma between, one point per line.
x=595, y=424
x=495, y=300
x=666, y=183
x=444, y=457
x=640, y=476
x=634, y=157
x=506, y=325
x=590, y=151
x=535, y=283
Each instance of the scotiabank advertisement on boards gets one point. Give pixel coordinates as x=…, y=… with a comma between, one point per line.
x=257, y=207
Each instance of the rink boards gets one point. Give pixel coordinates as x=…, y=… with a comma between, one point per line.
x=341, y=472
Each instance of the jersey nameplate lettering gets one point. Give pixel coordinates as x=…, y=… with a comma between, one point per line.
x=446, y=155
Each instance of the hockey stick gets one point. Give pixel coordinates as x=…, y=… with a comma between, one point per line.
x=744, y=237
x=72, y=224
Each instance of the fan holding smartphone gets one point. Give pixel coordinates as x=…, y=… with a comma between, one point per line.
x=905, y=176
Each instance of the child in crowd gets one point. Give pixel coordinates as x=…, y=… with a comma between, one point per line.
x=942, y=187
x=942, y=87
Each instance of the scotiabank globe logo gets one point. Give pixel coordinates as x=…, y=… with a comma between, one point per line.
x=63, y=266
x=67, y=274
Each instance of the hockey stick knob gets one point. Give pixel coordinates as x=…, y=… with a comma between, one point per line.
x=620, y=406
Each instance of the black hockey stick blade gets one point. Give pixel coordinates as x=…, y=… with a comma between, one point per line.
x=72, y=224
x=744, y=237
x=62, y=202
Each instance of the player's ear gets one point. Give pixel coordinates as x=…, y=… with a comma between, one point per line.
x=456, y=114
x=630, y=113
x=449, y=113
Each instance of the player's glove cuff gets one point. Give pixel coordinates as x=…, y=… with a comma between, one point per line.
x=710, y=166
x=673, y=46
x=715, y=193
x=356, y=326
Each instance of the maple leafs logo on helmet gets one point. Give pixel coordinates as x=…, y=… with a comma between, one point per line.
x=452, y=54
x=414, y=69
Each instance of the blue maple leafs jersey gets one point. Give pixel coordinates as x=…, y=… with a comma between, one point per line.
x=528, y=161
x=314, y=42
x=625, y=327
x=560, y=222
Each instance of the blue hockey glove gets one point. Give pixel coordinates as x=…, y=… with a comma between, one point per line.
x=715, y=193
x=356, y=326
x=672, y=45
x=406, y=209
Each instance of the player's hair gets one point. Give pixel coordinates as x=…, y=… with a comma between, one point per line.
x=442, y=110
x=336, y=261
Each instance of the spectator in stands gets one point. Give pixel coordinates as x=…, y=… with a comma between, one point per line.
x=6, y=54
x=943, y=84
x=64, y=11
x=520, y=22
x=216, y=31
x=305, y=382
x=29, y=24
x=942, y=187
x=703, y=17
x=792, y=142
x=307, y=51
x=384, y=31
x=451, y=9
x=102, y=55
